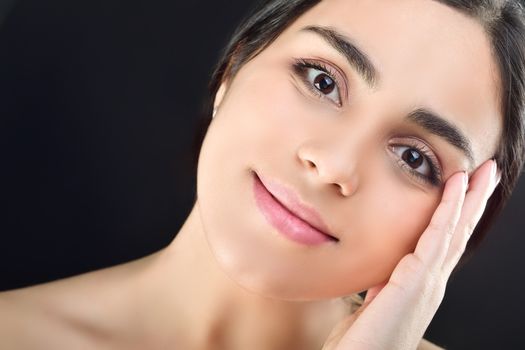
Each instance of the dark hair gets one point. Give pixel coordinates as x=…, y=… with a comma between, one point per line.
x=503, y=21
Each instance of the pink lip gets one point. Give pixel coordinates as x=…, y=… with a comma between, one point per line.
x=282, y=208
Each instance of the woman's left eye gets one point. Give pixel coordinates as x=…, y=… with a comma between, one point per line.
x=320, y=79
x=418, y=162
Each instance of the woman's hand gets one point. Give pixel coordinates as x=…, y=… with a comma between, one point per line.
x=396, y=314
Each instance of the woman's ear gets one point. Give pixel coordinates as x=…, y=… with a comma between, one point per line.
x=220, y=94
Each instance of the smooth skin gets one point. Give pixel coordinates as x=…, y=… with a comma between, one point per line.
x=344, y=160
x=396, y=314
x=229, y=280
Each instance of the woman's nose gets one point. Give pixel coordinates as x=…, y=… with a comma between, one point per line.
x=330, y=168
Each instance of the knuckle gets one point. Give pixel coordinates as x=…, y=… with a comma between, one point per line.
x=440, y=225
x=470, y=227
x=448, y=227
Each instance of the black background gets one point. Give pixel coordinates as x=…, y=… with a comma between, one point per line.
x=98, y=106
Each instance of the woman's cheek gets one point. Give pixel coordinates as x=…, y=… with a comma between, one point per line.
x=273, y=118
x=398, y=215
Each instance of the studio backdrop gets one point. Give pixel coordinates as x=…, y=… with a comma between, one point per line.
x=99, y=102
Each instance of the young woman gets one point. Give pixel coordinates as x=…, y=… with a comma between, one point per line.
x=352, y=146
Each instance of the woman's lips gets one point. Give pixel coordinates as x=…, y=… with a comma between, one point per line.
x=282, y=209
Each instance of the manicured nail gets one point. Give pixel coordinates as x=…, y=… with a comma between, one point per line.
x=496, y=175
x=465, y=178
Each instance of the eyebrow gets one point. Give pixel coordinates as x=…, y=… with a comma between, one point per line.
x=439, y=126
x=355, y=56
x=423, y=117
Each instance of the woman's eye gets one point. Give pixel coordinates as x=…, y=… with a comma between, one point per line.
x=417, y=162
x=319, y=80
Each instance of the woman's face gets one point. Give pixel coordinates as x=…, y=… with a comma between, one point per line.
x=367, y=142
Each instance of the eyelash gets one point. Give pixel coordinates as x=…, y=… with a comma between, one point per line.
x=434, y=179
x=301, y=65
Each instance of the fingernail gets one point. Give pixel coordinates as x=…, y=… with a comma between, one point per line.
x=496, y=175
x=465, y=178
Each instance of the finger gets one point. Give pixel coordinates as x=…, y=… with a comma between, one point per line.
x=481, y=187
x=338, y=332
x=372, y=292
x=433, y=244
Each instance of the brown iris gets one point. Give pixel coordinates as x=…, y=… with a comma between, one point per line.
x=413, y=158
x=324, y=83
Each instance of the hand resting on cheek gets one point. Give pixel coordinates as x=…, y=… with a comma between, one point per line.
x=396, y=314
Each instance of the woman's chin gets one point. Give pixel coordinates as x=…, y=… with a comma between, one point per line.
x=283, y=284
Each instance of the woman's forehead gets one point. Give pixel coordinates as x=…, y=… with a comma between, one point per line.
x=425, y=54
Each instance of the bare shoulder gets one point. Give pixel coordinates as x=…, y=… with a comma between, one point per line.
x=67, y=313
x=28, y=319
x=26, y=323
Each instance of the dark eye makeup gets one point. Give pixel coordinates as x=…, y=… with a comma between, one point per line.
x=416, y=153
x=327, y=78
x=322, y=80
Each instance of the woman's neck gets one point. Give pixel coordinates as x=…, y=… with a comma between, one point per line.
x=199, y=307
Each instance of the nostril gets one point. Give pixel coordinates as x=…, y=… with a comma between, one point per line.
x=340, y=189
x=346, y=190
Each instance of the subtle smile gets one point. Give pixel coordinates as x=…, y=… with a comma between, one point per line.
x=282, y=209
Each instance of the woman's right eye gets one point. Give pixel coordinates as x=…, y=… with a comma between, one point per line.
x=320, y=80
